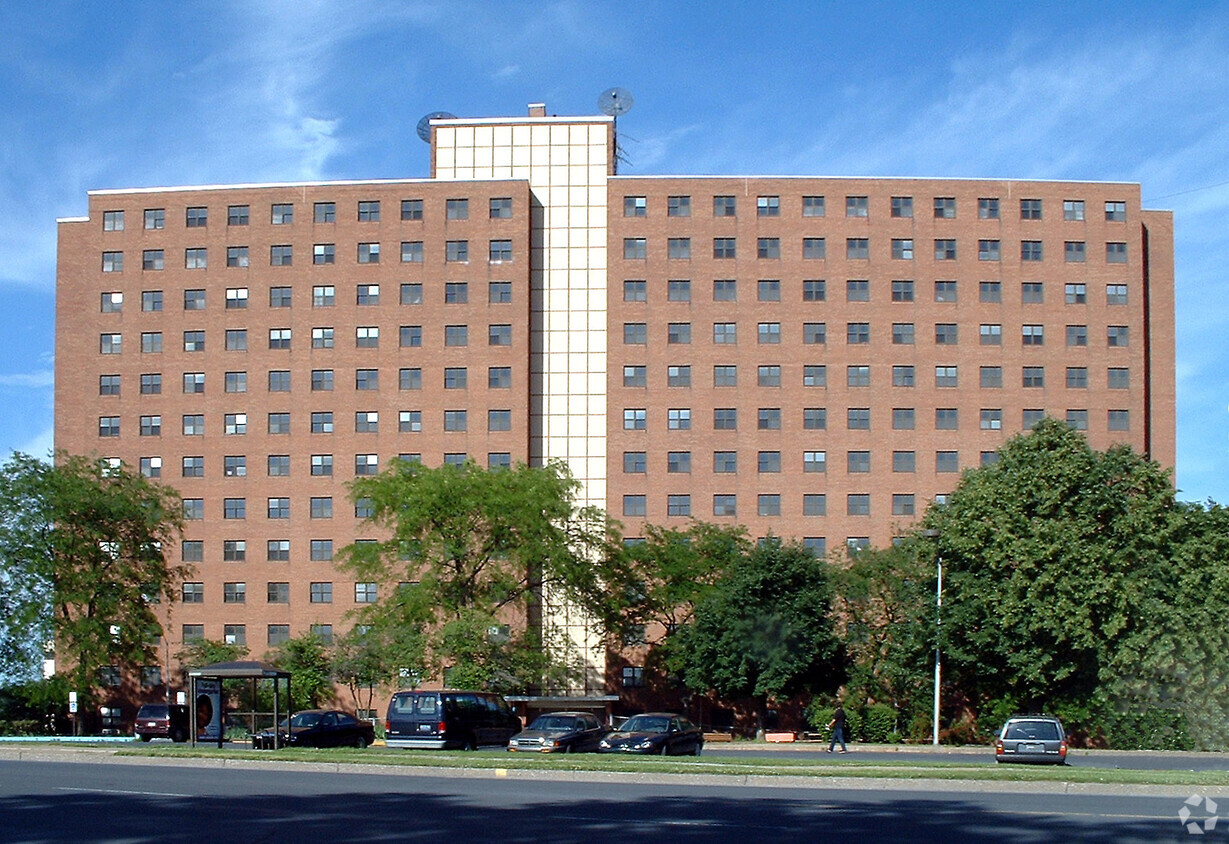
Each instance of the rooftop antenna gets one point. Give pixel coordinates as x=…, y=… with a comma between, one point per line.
x=616, y=101
x=424, y=125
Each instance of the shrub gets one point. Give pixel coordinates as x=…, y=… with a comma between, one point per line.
x=879, y=723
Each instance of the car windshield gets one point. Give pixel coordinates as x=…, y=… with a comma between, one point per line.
x=645, y=724
x=152, y=710
x=1035, y=730
x=553, y=723
x=305, y=719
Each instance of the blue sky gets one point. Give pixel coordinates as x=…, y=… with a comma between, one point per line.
x=137, y=94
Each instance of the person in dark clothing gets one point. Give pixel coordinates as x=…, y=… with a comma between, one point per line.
x=837, y=725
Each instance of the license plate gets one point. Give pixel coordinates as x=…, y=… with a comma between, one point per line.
x=1031, y=747
x=424, y=728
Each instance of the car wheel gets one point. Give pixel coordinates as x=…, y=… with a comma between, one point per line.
x=178, y=736
x=665, y=750
x=697, y=750
x=359, y=742
x=144, y=737
x=471, y=743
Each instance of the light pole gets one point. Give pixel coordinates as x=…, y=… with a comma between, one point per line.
x=931, y=533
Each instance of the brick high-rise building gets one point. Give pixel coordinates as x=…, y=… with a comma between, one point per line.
x=815, y=358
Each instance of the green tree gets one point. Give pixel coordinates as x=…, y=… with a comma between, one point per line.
x=89, y=538
x=310, y=664
x=479, y=546
x=1054, y=558
x=210, y=652
x=764, y=631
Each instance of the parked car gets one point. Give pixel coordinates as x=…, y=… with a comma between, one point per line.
x=162, y=720
x=1039, y=739
x=560, y=732
x=449, y=719
x=318, y=728
x=655, y=733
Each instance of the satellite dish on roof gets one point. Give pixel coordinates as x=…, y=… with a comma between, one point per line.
x=616, y=101
x=424, y=125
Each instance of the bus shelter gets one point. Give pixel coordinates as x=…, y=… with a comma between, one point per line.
x=205, y=703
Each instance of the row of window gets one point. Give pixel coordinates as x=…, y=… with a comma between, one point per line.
x=859, y=375
x=319, y=592
x=283, y=213
x=278, y=465
x=943, y=207
x=322, y=337
x=768, y=504
x=236, y=634
x=322, y=380
x=859, y=333
x=859, y=418
x=235, y=550
x=323, y=296
x=365, y=422
x=859, y=290
x=282, y=255
x=859, y=248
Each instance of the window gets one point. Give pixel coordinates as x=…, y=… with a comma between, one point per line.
x=1116, y=253
x=1078, y=419
x=409, y=421
x=1073, y=209
x=1032, y=293
x=989, y=250
x=196, y=258
x=678, y=418
x=112, y=344
x=1030, y=417
x=1119, y=420
x=321, y=507
x=366, y=337
x=678, y=505
x=634, y=206
x=282, y=214
x=456, y=420
x=724, y=419
x=947, y=461
x=193, y=424
x=153, y=259
x=1073, y=252
x=725, y=505
x=635, y=248
x=234, y=508
x=814, y=248
x=904, y=418
x=155, y=218
x=238, y=215
x=278, y=465
x=456, y=251
x=946, y=334
x=725, y=290
x=945, y=207
x=858, y=418
x=236, y=340
x=456, y=377
x=904, y=461
x=108, y=426
x=411, y=209
x=109, y=385
x=634, y=462
x=857, y=248
x=369, y=211
x=234, y=550
x=500, y=251
x=1115, y=211
x=991, y=419
x=991, y=377
x=678, y=248
x=723, y=332
x=768, y=247
x=409, y=336
x=857, y=333
x=946, y=376
x=193, y=593
x=856, y=206
x=902, y=248
x=725, y=375
x=321, y=593
x=366, y=421
x=945, y=250
x=194, y=341
x=769, y=462
x=235, y=382
x=411, y=252
x=322, y=422
x=1077, y=377
x=677, y=333
x=676, y=376
x=858, y=376
x=369, y=253
x=366, y=379
x=634, y=291
x=768, y=504
x=456, y=209
x=366, y=464
x=988, y=208
x=1033, y=335
x=235, y=424
x=902, y=206
x=903, y=376
x=1118, y=378
x=194, y=509
x=196, y=218
x=902, y=504
x=113, y=262
x=813, y=375
x=858, y=504
x=768, y=333
x=678, y=290
x=725, y=462
x=322, y=380
x=1031, y=250
x=634, y=505
x=1077, y=335
x=946, y=419
x=768, y=419
x=678, y=206
x=1030, y=209
x=634, y=419
x=725, y=206
x=1117, y=335
x=814, y=418
x=813, y=206
x=725, y=247
x=814, y=504
x=1115, y=294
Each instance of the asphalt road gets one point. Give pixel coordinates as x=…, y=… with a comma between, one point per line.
x=133, y=802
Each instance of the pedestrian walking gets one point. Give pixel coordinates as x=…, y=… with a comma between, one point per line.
x=837, y=726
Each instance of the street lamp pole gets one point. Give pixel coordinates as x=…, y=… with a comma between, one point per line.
x=931, y=533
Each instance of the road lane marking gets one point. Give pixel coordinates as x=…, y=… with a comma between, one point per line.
x=122, y=791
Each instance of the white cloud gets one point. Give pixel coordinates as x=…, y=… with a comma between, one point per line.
x=35, y=380
x=506, y=72
x=42, y=445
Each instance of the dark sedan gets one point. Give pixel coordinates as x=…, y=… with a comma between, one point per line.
x=559, y=732
x=659, y=733
x=318, y=728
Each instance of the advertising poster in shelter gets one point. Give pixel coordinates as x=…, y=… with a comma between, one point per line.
x=208, y=710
